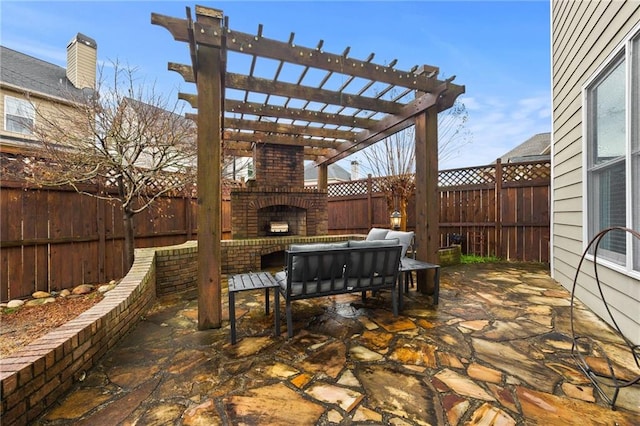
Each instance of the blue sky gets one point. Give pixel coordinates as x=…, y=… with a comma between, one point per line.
x=499, y=50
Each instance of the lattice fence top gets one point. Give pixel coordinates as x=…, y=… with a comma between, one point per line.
x=25, y=168
x=18, y=167
x=486, y=175
x=471, y=176
x=514, y=172
x=482, y=175
x=15, y=167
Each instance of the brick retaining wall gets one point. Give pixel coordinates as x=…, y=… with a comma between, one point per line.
x=32, y=379
x=176, y=268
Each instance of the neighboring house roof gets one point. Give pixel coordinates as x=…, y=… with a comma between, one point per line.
x=35, y=75
x=536, y=147
x=334, y=173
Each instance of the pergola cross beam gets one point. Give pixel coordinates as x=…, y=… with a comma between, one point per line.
x=207, y=35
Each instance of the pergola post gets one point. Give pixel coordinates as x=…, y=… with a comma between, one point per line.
x=210, y=95
x=323, y=177
x=427, y=206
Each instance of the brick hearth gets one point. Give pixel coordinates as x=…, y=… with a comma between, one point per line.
x=239, y=256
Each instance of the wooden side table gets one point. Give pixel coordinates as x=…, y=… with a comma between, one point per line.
x=253, y=281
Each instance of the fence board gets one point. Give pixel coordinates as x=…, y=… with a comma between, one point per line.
x=5, y=208
x=54, y=238
x=508, y=217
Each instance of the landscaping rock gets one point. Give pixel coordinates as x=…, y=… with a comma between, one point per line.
x=107, y=287
x=16, y=303
x=40, y=295
x=36, y=302
x=82, y=289
x=65, y=293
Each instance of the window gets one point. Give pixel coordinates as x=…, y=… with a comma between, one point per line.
x=19, y=115
x=613, y=155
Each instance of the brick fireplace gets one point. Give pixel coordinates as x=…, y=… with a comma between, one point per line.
x=278, y=194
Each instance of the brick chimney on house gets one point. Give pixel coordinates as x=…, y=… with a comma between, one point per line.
x=82, y=58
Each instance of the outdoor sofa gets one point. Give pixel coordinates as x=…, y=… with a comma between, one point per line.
x=317, y=270
x=408, y=262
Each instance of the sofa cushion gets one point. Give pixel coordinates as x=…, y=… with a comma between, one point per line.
x=377, y=234
x=332, y=265
x=362, y=262
x=405, y=238
x=374, y=243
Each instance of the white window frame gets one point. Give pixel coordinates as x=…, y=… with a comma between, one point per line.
x=23, y=110
x=629, y=51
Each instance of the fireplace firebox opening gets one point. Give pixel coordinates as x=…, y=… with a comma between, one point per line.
x=281, y=220
x=272, y=262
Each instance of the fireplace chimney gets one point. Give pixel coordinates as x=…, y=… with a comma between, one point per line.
x=277, y=204
x=355, y=170
x=82, y=58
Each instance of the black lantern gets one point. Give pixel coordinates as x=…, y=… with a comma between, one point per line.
x=396, y=218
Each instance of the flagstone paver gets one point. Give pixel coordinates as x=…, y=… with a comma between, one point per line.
x=496, y=351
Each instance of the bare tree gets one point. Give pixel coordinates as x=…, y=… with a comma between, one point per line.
x=453, y=133
x=124, y=136
x=394, y=157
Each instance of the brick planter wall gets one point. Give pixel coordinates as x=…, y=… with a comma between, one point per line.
x=176, y=268
x=32, y=379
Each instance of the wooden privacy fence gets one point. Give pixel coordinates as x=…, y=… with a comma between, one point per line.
x=500, y=209
x=52, y=238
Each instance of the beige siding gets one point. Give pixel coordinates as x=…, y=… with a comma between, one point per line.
x=584, y=34
x=45, y=107
x=569, y=205
x=81, y=65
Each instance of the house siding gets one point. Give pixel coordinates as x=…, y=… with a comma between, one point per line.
x=46, y=106
x=584, y=35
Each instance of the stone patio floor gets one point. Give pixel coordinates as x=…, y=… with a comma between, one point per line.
x=496, y=351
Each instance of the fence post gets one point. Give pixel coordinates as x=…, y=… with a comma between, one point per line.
x=498, y=212
x=102, y=234
x=187, y=216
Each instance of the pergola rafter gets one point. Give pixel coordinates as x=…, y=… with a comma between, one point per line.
x=363, y=108
x=331, y=119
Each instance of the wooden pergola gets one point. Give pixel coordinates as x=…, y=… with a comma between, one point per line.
x=239, y=109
